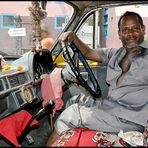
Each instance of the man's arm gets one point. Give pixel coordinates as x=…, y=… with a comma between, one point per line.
x=89, y=54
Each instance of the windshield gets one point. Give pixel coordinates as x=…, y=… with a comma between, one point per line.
x=16, y=26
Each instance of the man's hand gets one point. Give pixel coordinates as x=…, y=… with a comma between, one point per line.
x=68, y=36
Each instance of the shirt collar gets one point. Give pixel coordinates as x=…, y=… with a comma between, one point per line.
x=144, y=44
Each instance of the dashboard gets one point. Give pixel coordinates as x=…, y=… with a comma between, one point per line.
x=16, y=91
x=12, y=81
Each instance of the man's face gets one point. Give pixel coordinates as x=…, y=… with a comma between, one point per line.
x=131, y=33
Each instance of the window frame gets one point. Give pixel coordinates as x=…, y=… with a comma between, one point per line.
x=2, y=21
x=105, y=22
x=55, y=21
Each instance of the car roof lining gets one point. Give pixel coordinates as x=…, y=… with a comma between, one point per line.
x=99, y=4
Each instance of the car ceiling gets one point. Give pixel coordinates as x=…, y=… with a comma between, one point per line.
x=93, y=4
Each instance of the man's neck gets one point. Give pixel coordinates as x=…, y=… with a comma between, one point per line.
x=132, y=49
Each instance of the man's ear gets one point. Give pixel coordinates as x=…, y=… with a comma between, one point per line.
x=119, y=34
x=143, y=29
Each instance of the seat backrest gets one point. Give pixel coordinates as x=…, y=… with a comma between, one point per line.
x=101, y=77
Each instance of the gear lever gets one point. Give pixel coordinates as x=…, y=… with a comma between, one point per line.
x=48, y=107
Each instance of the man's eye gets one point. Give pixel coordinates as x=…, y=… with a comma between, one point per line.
x=125, y=30
x=136, y=28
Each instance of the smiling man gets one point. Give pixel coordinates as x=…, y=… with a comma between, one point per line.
x=126, y=106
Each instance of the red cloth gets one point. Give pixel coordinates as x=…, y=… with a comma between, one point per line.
x=84, y=137
x=12, y=126
x=51, y=89
x=76, y=137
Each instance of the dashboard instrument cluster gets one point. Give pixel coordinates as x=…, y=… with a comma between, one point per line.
x=16, y=91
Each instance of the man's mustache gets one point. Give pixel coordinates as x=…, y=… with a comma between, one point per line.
x=131, y=37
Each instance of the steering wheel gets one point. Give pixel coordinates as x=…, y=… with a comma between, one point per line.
x=95, y=91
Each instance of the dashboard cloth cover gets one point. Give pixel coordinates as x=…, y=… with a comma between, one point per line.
x=51, y=89
x=12, y=126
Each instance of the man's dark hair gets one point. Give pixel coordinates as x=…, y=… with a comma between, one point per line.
x=129, y=13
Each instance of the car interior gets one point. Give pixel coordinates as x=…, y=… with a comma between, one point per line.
x=78, y=75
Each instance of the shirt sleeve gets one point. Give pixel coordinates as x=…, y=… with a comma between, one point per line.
x=105, y=54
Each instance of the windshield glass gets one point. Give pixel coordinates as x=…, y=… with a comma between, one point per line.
x=16, y=25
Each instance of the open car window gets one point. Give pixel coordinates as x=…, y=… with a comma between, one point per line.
x=100, y=28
